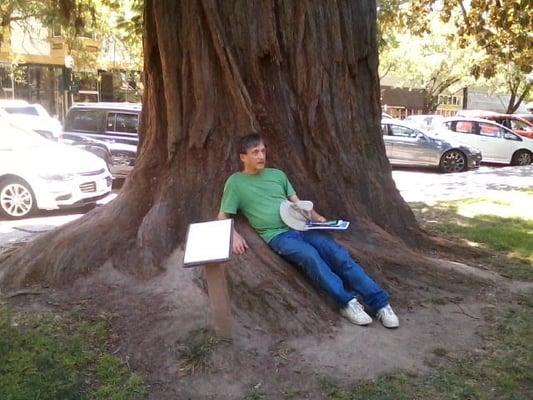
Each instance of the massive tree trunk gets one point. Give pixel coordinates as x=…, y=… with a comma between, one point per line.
x=305, y=75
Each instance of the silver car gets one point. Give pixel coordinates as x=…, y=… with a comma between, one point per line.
x=407, y=145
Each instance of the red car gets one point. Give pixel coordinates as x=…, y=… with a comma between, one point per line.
x=518, y=125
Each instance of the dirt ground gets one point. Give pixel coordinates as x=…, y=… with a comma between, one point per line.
x=152, y=320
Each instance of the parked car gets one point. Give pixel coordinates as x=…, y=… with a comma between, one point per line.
x=497, y=143
x=33, y=116
x=97, y=147
x=36, y=173
x=94, y=146
x=527, y=117
x=116, y=124
x=407, y=145
x=518, y=125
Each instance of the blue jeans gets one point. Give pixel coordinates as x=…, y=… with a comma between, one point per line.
x=329, y=264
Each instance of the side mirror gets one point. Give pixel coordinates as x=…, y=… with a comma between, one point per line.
x=421, y=137
x=509, y=136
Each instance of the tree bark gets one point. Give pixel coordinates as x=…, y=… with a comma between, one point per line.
x=305, y=75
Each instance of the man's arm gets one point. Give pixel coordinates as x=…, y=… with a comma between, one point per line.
x=314, y=215
x=239, y=244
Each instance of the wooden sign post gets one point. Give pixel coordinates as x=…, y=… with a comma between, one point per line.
x=209, y=244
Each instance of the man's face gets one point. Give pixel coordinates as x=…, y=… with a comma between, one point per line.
x=255, y=158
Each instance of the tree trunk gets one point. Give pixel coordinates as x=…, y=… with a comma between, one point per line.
x=516, y=99
x=305, y=75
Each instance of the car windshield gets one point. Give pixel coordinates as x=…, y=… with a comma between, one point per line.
x=27, y=110
x=523, y=126
x=12, y=136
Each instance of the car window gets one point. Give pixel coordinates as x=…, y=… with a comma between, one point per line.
x=122, y=122
x=21, y=110
x=463, y=127
x=402, y=131
x=519, y=125
x=84, y=120
x=508, y=135
x=384, y=129
x=490, y=130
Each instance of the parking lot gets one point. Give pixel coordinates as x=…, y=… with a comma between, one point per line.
x=414, y=184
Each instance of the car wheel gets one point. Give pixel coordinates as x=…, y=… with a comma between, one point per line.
x=521, y=157
x=16, y=199
x=453, y=161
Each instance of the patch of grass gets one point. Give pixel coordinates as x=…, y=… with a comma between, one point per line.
x=440, y=351
x=46, y=356
x=503, y=372
x=510, y=238
x=254, y=393
x=196, y=352
x=294, y=394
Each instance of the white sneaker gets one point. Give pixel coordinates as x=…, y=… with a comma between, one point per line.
x=355, y=313
x=387, y=317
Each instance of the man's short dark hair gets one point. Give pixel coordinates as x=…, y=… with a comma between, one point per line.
x=248, y=142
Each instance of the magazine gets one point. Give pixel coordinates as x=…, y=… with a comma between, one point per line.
x=337, y=224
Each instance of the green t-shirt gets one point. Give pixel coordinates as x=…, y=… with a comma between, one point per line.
x=258, y=198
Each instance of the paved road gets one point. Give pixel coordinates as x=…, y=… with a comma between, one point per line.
x=431, y=186
x=14, y=231
x=414, y=185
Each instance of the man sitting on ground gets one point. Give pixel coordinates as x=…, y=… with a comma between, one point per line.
x=257, y=192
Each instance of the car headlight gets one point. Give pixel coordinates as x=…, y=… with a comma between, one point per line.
x=57, y=177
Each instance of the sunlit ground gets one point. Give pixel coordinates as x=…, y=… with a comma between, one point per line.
x=431, y=186
x=502, y=225
x=14, y=230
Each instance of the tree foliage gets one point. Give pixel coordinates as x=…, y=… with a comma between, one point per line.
x=70, y=14
x=501, y=28
x=431, y=61
x=488, y=40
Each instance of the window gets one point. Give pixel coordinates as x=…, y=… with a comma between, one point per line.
x=490, y=130
x=519, y=125
x=21, y=110
x=121, y=122
x=84, y=120
x=463, y=127
x=401, y=131
x=384, y=129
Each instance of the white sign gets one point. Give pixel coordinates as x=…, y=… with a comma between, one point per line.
x=208, y=242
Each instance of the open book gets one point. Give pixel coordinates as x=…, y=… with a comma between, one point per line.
x=337, y=224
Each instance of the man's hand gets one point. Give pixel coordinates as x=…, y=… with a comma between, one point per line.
x=316, y=217
x=239, y=244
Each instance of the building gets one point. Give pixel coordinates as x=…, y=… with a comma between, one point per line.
x=35, y=65
x=401, y=102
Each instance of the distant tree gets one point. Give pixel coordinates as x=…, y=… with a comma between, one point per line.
x=432, y=62
x=498, y=32
x=509, y=80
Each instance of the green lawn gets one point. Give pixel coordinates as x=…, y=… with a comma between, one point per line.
x=49, y=356
x=502, y=226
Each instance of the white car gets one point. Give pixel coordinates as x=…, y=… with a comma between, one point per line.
x=497, y=143
x=33, y=116
x=36, y=173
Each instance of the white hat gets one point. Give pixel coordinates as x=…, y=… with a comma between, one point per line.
x=295, y=215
